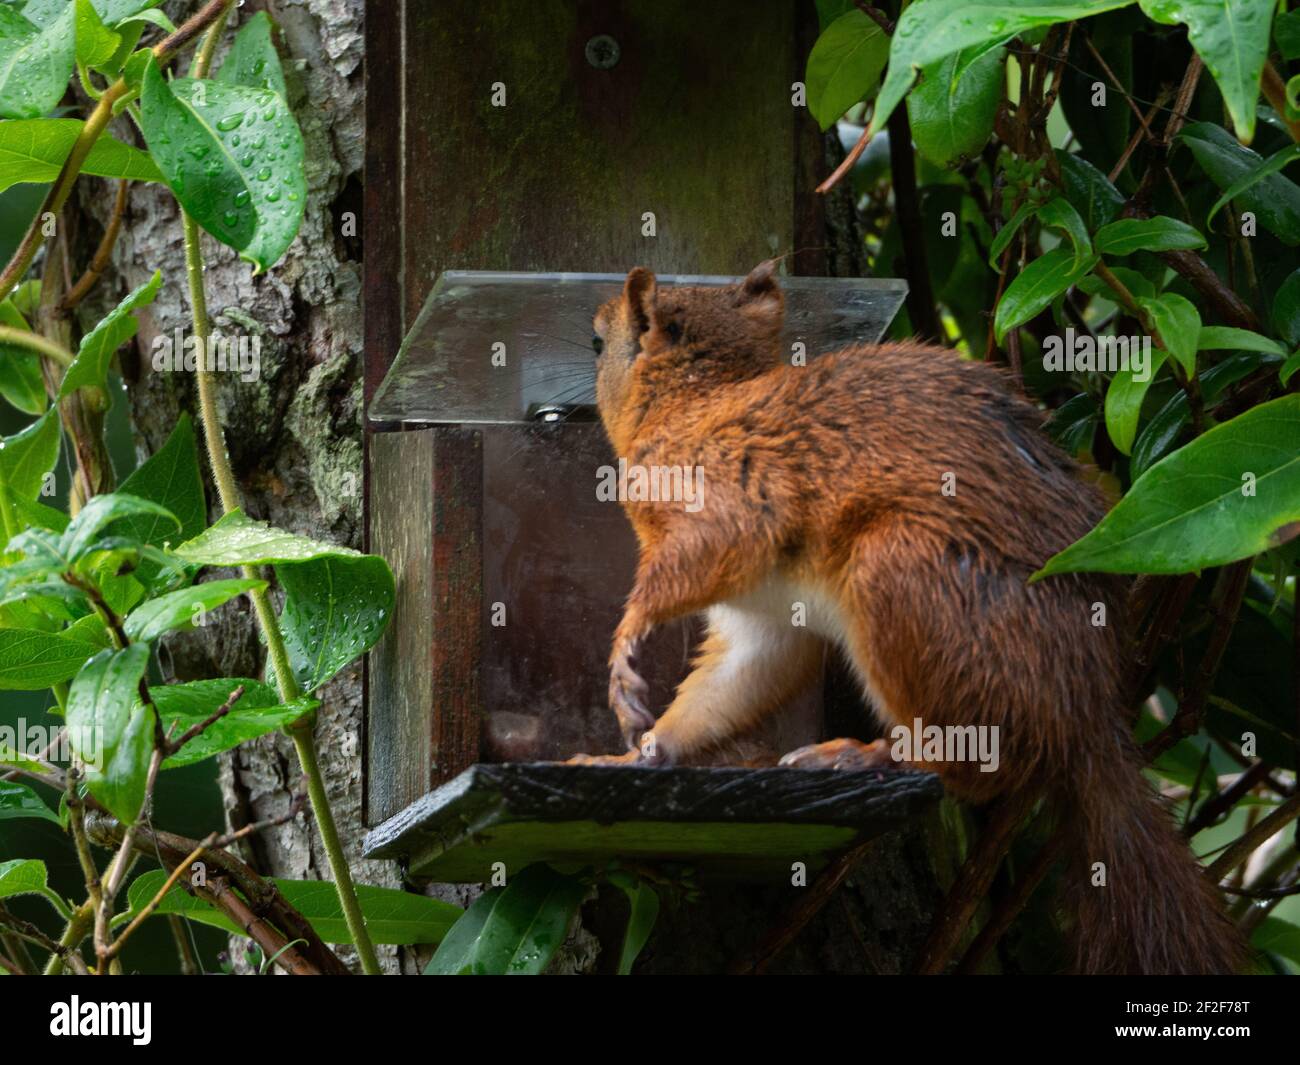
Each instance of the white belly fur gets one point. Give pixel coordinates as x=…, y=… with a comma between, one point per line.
x=760, y=624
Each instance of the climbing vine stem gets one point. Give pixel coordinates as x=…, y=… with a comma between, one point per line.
x=303, y=731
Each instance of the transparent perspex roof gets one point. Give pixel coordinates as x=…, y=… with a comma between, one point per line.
x=496, y=347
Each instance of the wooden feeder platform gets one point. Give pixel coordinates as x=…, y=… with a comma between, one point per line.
x=727, y=823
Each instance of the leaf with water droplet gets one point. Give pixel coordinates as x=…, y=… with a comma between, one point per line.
x=90, y=368
x=331, y=612
x=512, y=930
x=183, y=124
x=35, y=62
x=931, y=31
x=33, y=149
x=252, y=59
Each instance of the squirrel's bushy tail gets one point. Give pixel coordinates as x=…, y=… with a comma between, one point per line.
x=1155, y=912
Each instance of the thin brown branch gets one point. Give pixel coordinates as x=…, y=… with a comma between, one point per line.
x=28, y=931
x=973, y=880
x=1008, y=909
x=1263, y=894
x=103, y=254
x=1275, y=92
x=796, y=918
x=1139, y=134
x=264, y=901
x=1183, y=101
x=1222, y=802
x=877, y=16
x=847, y=163
x=172, y=746
x=1265, y=829
x=1224, y=606
x=1143, y=122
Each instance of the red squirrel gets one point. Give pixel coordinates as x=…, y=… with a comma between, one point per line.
x=903, y=496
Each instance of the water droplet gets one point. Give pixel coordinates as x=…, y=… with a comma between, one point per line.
x=231, y=122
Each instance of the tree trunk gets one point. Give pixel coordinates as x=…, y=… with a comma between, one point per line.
x=294, y=434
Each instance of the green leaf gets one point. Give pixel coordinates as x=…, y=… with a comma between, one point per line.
x=44, y=12
x=96, y=43
x=951, y=111
x=33, y=150
x=644, y=903
x=26, y=457
x=101, y=511
x=1130, y=279
x=392, y=916
x=1289, y=368
x=21, y=382
x=170, y=477
x=1226, y=338
x=1192, y=509
x=1277, y=936
x=1253, y=177
x=19, y=801
x=1147, y=234
x=1179, y=324
x=1035, y=287
x=1059, y=213
x=31, y=660
x=233, y=156
x=35, y=63
x=32, y=513
x=1161, y=434
x=932, y=29
x=844, y=66
x=1286, y=309
x=1004, y=235
x=237, y=540
x=258, y=712
x=1091, y=192
x=1232, y=37
x=252, y=59
x=1273, y=199
x=179, y=609
x=110, y=730
x=1286, y=32
x=1124, y=401
x=514, y=930
x=335, y=609
x=90, y=368
x=23, y=876
x=114, y=12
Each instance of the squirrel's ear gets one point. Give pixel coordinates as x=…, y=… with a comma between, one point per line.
x=759, y=290
x=639, y=292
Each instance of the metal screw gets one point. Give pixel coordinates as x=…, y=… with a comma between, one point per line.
x=602, y=51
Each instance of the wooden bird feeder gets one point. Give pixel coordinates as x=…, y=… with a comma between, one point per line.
x=483, y=449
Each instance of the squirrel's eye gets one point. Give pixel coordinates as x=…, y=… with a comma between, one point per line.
x=597, y=345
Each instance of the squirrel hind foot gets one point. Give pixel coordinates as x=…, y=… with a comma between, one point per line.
x=846, y=754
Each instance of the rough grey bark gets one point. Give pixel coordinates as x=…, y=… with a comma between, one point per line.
x=294, y=435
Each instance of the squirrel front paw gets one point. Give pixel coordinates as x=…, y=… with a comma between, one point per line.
x=626, y=758
x=627, y=691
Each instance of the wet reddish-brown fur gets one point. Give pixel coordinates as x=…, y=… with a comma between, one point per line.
x=830, y=476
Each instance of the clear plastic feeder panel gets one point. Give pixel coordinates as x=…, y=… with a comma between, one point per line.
x=509, y=355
